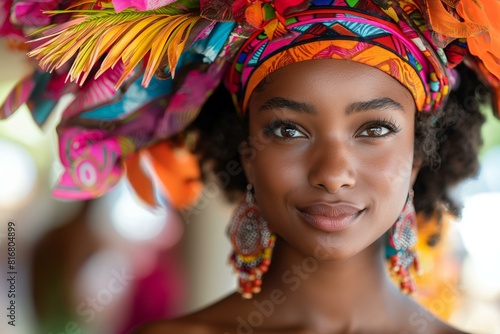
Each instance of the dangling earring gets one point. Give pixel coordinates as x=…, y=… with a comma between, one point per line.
x=253, y=244
x=400, y=247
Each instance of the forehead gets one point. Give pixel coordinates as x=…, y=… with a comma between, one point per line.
x=331, y=79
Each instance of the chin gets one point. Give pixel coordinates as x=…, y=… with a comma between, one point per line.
x=328, y=253
x=326, y=248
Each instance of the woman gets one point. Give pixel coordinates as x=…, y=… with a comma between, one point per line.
x=328, y=210
x=332, y=154
x=343, y=115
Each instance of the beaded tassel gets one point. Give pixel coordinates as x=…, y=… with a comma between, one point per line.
x=253, y=244
x=400, y=248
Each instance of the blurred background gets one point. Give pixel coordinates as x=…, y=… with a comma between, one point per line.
x=106, y=265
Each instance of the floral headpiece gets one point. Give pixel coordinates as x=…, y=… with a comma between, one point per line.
x=141, y=70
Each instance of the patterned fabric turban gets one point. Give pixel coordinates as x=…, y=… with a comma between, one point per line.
x=355, y=30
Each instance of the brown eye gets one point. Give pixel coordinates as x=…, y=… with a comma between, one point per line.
x=288, y=132
x=375, y=131
x=284, y=129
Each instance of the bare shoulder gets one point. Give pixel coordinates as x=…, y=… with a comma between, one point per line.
x=176, y=326
x=210, y=320
x=414, y=318
x=443, y=328
x=428, y=323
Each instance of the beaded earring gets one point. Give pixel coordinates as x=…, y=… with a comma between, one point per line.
x=402, y=238
x=252, y=242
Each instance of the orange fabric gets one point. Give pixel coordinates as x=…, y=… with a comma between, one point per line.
x=138, y=180
x=446, y=24
x=177, y=171
x=254, y=15
x=485, y=45
x=478, y=22
x=368, y=54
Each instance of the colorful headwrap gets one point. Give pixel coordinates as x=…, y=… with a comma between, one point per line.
x=358, y=31
x=140, y=71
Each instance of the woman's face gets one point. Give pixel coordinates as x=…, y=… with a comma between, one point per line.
x=330, y=154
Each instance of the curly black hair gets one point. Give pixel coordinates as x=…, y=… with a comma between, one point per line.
x=447, y=142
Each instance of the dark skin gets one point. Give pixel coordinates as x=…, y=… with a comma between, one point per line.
x=331, y=170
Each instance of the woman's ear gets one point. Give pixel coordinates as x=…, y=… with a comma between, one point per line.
x=417, y=164
x=247, y=154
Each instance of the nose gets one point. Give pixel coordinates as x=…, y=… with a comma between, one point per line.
x=332, y=167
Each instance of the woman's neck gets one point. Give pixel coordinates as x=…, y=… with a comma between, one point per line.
x=340, y=294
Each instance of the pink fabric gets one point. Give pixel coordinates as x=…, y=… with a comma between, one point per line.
x=31, y=12
x=140, y=4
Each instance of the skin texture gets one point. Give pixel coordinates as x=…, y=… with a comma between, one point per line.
x=337, y=135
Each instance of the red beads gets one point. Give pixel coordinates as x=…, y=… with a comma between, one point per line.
x=406, y=282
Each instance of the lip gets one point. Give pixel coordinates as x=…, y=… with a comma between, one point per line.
x=330, y=217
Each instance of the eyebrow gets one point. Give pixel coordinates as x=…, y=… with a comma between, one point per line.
x=301, y=107
x=282, y=103
x=375, y=104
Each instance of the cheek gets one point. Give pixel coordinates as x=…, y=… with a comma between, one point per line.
x=387, y=178
x=278, y=174
x=390, y=164
x=390, y=170
x=277, y=171
x=273, y=167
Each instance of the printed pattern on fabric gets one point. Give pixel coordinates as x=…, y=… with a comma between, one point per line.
x=383, y=40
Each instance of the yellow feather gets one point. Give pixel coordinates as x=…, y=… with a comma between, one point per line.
x=138, y=49
x=161, y=46
x=83, y=40
x=127, y=36
x=79, y=75
x=106, y=40
x=114, y=54
x=142, y=42
x=176, y=46
x=158, y=50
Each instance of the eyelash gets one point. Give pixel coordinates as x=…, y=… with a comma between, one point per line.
x=274, y=125
x=387, y=123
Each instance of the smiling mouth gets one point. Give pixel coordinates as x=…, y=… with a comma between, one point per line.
x=330, y=218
